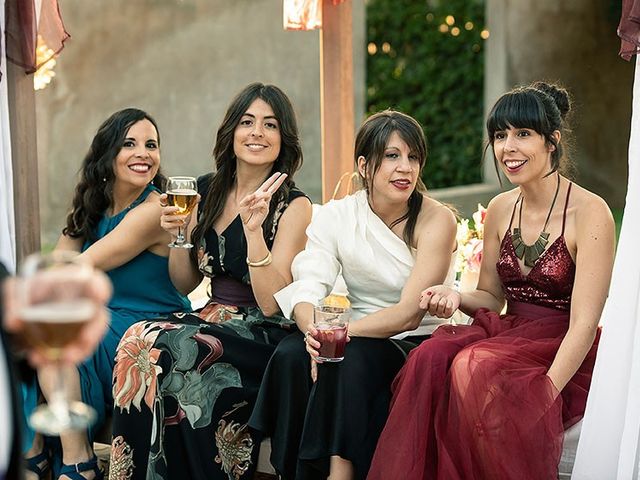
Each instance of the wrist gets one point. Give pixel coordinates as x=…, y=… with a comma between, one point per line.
x=263, y=262
x=253, y=232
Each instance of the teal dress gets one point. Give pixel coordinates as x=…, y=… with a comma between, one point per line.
x=142, y=289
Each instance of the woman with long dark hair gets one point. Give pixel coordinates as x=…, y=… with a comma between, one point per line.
x=389, y=241
x=185, y=387
x=491, y=400
x=114, y=223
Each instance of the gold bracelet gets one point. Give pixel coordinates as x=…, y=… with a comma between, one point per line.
x=262, y=263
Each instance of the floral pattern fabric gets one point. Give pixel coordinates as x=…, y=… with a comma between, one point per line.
x=184, y=386
x=183, y=392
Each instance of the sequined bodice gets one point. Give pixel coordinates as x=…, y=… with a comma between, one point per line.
x=548, y=284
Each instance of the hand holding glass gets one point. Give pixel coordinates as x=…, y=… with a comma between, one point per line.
x=54, y=302
x=332, y=324
x=182, y=192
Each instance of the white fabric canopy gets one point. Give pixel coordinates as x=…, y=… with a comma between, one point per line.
x=7, y=224
x=7, y=243
x=610, y=437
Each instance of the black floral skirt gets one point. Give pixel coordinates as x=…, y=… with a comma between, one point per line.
x=183, y=393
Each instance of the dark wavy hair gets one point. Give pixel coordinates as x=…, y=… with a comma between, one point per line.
x=289, y=159
x=94, y=192
x=542, y=107
x=371, y=142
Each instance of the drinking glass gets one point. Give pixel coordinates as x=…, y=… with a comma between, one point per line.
x=332, y=324
x=54, y=303
x=182, y=192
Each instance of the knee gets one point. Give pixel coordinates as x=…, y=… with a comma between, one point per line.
x=290, y=353
x=473, y=365
x=462, y=364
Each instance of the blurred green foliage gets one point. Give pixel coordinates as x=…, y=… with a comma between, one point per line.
x=618, y=213
x=426, y=58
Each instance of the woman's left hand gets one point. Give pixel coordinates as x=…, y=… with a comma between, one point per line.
x=254, y=208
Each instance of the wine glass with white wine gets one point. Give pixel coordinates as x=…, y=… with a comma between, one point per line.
x=182, y=192
x=54, y=302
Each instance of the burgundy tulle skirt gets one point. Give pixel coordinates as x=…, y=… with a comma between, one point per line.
x=474, y=401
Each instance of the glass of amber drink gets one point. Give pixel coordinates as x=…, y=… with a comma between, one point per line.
x=54, y=303
x=182, y=192
x=332, y=324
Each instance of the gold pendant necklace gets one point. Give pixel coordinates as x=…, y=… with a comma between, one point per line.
x=531, y=253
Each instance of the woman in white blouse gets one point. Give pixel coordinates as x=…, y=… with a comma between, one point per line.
x=388, y=241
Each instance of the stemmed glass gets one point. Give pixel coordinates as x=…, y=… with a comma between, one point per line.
x=182, y=192
x=54, y=303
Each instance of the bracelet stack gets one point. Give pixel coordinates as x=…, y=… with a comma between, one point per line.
x=261, y=263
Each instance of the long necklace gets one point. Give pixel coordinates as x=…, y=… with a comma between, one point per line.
x=531, y=253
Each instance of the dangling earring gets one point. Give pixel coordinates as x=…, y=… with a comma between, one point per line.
x=104, y=179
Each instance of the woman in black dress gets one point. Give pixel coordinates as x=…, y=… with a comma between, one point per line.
x=184, y=387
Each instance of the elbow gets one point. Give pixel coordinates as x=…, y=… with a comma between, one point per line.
x=184, y=291
x=413, y=321
x=270, y=310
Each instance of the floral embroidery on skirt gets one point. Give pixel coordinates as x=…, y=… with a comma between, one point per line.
x=193, y=385
x=121, y=462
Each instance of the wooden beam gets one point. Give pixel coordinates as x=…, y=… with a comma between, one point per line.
x=336, y=95
x=24, y=154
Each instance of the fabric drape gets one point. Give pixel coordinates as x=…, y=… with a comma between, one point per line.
x=25, y=21
x=609, y=446
x=303, y=14
x=7, y=223
x=629, y=28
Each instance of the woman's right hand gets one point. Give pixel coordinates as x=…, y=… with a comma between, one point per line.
x=440, y=301
x=169, y=221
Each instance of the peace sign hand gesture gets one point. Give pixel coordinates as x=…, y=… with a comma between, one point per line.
x=254, y=208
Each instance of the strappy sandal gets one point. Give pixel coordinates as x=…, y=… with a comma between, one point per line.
x=39, y=464
x=74, y=471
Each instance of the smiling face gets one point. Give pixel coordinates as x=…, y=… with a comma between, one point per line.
x=397, y=175
x=138, y=160
x=522, y=153
x=256, y=139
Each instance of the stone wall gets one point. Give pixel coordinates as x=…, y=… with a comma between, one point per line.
x=573, y=42
x=182, y=61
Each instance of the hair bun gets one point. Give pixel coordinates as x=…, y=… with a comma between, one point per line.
x=560, y=96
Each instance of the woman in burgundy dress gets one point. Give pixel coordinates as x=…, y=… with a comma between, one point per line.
x=491, y=400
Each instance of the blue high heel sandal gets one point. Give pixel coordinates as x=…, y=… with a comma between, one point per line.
x=38, y=464
x=74, y=471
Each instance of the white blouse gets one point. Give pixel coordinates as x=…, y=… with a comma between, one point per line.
x=346, y=237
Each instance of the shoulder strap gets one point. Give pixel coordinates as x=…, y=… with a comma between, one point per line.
x=566, y=203
x=513, y=212
x=143, y=196
x=294, y=193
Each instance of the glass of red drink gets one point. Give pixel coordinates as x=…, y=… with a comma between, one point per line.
x=332, y=325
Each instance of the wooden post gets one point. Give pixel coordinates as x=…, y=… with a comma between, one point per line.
x=22, y=121
x=336, y=94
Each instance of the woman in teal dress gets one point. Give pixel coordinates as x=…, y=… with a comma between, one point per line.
x=114, y=223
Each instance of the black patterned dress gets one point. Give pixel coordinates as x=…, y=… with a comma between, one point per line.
x=184, y=388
